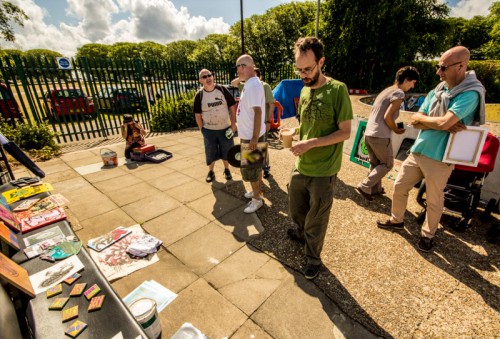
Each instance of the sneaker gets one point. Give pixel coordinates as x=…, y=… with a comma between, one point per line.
x=425, y=244
x=388, y=224
x=267, y=174
x=311, y=271
x=248, y=195
x=295, y=236
x=210, y=176
x=227, y=174
x=253, y=206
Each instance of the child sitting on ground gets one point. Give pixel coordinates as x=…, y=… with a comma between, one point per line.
x=133, y=132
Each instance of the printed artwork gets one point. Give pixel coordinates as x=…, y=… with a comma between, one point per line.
x=100, y=243
x=17, y=194
x=70, y=313
x=96, y=303
x=92, y=291
x=25, y=205
x=7, y=235
x=255, y=158
x=55, y=274
x=58, y=303
x=53, y=291
x=42, y=219
x=115, y=262
x=78, y=290
x=8, y=218
x=76, y=328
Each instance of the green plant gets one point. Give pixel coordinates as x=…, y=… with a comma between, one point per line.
x=170, y=114
x=38, y=140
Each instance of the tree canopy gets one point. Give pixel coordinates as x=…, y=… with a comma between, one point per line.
x=10, y=13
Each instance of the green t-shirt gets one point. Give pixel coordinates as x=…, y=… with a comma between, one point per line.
x=321, y=111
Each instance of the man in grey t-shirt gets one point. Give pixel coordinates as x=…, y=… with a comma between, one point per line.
x=381, y=122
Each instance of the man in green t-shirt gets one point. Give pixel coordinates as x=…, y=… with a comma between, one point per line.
x=325, y=122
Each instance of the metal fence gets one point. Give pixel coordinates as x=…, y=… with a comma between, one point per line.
x=86, y=98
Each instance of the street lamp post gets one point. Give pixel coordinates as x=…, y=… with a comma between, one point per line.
x=242, y=35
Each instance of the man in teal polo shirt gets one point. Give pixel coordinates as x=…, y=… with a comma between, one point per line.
x=325, y=122
x=456, y=102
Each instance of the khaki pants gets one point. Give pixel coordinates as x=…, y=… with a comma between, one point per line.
x=436, y=174
x=310, y=201
x=381, y=162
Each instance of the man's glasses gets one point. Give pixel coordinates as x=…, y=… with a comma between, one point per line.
x=307, y=70
x=206, y=76
x=443, y=68
x=240, y=65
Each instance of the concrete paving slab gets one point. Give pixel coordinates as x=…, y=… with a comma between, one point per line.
x=151, y=207
x=94, y=159
x=152, y=172
x=298, y=309
x=175, y=225
x=169, y=272
x=180, y=164
x=69, y=157
x=133, y=193
x=195, y=149
x=174, y=179
x=205, y=248
x=108, y=221
x=105, y=174
x=71, y=185
x=89, y=208
x=117, y=183
x=215, y=205
x=250, y=330
x=238, y=280
x=54, y=167
x=61, y=176
x=202, y=306
x=190, y=191
x=243, y=226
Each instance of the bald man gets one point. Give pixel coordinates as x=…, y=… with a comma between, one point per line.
x=456, y=102
x=250, y=117
x=215, y=112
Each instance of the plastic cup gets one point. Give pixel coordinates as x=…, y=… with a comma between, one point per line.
x=286, y=138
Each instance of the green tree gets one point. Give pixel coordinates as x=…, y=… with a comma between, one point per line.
x=492, y=48
x=179, y=50
x=367, y=41
x=151, y=50
x=10, y=13
x=40, y=53
x=11, y=52
x=215, y=48
x=472, y=34
x=125, y=50
x=93, y=51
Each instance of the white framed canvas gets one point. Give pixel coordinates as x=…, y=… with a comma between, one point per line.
x=465, y=147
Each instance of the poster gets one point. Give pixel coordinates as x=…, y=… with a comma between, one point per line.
x=359, y=153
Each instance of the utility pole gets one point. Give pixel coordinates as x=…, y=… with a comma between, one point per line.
x=317, y=18
x=242, y=36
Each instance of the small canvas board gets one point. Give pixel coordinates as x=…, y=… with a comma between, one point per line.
x=465, y=147
x=7, y=235
x=8, y=218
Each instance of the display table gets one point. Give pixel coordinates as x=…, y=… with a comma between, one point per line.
x=113, y=318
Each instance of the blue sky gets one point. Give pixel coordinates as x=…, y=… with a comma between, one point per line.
x=64, y=25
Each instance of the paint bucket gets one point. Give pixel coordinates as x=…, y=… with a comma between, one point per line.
x=109, y=157
x=145, y=312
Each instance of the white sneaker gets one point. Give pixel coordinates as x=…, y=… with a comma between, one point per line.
x=253, y=205
x=248, y=195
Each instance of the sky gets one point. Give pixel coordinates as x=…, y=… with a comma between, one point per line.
x=64, y=25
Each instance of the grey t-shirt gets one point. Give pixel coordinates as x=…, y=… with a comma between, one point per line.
x=376, y=126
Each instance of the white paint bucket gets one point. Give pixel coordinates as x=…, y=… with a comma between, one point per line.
x=145, y=312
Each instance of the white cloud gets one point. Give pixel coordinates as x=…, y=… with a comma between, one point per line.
x=153, y=20
x=469, y=8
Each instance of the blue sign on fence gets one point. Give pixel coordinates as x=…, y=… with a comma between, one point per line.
x=64, y=63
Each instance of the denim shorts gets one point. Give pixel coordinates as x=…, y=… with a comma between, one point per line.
x=216, y=144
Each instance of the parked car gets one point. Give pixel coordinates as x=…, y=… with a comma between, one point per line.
x=175, y=88
x=121, y=99
x=69, y=102
x=8, y=105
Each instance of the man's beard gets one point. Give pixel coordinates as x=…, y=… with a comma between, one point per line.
x=312, y=81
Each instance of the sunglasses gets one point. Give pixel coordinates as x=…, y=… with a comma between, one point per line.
x=443, y=68
x=241, y=65
x=206, y=76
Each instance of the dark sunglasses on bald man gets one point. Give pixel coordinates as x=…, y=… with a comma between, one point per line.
x=206, y=76
x=443, y=68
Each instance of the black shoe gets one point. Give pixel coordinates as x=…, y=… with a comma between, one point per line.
x=381, y=192
x=365, y=195
x=388, y=224
x=311, y=271
x=266, y=174
x=425, y=244
x=210, y=176
x=295, y=236
x=227, y=174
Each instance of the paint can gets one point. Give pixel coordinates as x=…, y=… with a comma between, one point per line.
x=109, y=157
x=145, y=312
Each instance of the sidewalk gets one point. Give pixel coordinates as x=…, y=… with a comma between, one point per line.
x=226, y=287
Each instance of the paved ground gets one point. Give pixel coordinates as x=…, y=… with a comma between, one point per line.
x=239, y=276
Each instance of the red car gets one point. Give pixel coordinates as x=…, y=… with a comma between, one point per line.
x=8, y=105
x=69, y=101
